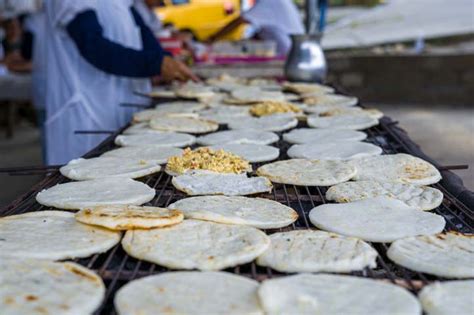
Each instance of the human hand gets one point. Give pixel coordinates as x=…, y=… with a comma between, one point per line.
x=172, y=69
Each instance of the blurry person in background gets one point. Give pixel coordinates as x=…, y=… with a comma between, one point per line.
x=11, y=42
x=24, y=44
x=14, y=47
x=34, y=49
x=273, y=20
x=98, y=53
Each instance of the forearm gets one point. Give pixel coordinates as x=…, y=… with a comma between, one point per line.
x=109, y=56
x=227, y=29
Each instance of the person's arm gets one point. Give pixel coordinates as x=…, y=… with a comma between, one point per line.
x=227, y=29
x=171, y=69
x=148, y=38
x=108, y=56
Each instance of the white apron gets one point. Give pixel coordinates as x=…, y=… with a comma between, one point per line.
x=78, y=95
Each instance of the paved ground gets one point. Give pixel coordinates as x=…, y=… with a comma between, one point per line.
x=23, y=150
x=400, y=20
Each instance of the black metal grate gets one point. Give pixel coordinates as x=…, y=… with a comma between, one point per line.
x=117, y=268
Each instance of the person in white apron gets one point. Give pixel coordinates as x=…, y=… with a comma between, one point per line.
x=272, y=20
x=97, y=57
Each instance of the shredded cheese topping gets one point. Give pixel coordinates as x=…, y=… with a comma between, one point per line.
x=273, y=107
x=207, y=159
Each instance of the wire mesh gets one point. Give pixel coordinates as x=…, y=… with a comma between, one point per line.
x=117, y=268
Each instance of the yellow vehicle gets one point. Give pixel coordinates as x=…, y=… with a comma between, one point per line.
x=201, y=18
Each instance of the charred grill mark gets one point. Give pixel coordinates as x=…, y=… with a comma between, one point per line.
x=80, y=273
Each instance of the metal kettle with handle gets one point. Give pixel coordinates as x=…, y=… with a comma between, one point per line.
x=306, y=61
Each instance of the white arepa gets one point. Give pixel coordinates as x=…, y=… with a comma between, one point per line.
x=378, y=219
x=107, y=191
x=189, y=293
x=335, y=295
x=32, y=286
x=53, y=235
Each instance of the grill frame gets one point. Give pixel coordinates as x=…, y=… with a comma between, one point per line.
x=117, y=268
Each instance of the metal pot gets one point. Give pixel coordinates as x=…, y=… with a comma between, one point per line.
x=306, y=61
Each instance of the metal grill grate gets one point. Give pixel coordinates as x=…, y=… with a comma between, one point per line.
x=117, y=268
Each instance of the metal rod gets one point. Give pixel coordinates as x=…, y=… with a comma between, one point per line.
x=142, y=94
x=311, y=10
x=31, y=173
x=94, y=132
x=453, y=167
x=134, y=105
x=29, y=168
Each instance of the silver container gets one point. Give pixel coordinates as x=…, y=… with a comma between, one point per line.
x=306, y=61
